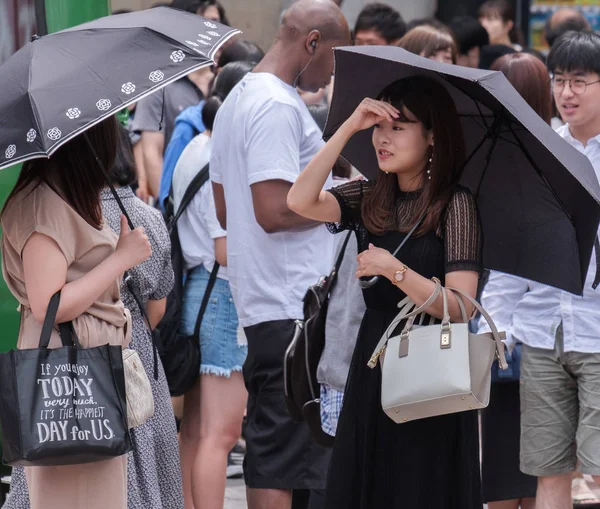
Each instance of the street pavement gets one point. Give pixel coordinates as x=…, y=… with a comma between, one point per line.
x=235, y=494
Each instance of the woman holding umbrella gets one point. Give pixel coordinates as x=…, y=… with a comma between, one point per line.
x=54, y=238
x=418, y=140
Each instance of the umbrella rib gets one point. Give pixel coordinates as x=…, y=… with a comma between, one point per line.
x=487, y=135
x=539, y=172
x=481, y=114
x=488, y=157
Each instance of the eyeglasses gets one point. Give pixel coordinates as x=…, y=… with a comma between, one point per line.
x=577, y=85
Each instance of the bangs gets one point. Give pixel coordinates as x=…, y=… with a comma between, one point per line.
x=575, y=52
x=490, y=12
x=405, y=116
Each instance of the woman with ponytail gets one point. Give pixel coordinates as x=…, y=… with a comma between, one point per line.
x=214, y=408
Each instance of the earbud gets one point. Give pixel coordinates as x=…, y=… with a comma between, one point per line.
x=314, y=46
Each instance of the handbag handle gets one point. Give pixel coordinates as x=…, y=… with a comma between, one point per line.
x=495, y=334
x=66, y=337
x=445, y=314
x=407, y=311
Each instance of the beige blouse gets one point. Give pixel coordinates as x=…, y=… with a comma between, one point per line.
x=83, y=246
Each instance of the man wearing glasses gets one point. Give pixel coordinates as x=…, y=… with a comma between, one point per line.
x=560, y=370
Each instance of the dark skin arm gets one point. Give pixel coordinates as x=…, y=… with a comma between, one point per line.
x=219, y=196
x=271, y=210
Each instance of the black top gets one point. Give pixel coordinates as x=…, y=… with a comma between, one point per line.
x=459, y=228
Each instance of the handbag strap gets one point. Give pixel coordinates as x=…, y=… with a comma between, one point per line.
x=369, y=283
x=407, y=311
x=67, y=338
x=209, y=288
x=133, y=289
x=495, y=334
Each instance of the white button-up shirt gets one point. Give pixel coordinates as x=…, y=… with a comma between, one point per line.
x=530, y=312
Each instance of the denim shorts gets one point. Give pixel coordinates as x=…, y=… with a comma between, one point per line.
x=219, y=346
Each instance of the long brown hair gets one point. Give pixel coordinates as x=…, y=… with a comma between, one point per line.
x=426, y=41
x=431, y=104
x=73, y=172
x=530, y=77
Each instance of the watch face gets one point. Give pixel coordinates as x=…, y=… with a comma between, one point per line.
x=399, y=276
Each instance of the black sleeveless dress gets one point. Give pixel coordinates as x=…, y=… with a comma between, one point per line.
x=426, y=464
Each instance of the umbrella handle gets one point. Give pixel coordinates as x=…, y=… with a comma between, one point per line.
x=107, y=178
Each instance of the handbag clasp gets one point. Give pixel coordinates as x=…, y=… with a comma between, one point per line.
x=446, y=336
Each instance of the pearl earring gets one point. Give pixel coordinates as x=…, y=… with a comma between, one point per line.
x=429, y=168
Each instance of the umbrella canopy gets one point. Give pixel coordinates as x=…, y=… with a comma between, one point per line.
x=538, y=197
x=61, y=84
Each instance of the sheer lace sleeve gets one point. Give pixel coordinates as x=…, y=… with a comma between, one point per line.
x=463, y=238
x=349, y=196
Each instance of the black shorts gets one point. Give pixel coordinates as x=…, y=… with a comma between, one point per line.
x=280, y=453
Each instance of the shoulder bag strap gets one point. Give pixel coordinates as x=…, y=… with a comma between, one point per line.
x=209, y=288
x=338, y=263
x=369, y=283
x=67, y=338
x=133, y=289
x=193, y=187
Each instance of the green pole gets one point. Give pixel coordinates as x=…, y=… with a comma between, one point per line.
x=60, y=14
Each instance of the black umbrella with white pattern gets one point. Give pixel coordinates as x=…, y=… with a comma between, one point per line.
x=61, y=84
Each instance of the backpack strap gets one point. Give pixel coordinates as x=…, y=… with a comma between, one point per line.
x=194, y=186
x=209, y=288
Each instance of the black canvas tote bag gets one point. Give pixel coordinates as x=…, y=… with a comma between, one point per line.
x=62, y=406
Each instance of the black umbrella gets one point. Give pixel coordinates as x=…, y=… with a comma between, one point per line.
x=59, y=85
x=538, y=197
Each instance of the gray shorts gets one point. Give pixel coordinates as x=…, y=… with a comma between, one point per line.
x=560, y=411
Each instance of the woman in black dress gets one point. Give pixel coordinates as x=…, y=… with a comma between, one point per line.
x=430, y=463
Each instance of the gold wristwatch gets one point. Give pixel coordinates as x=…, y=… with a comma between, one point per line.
x=399, y=275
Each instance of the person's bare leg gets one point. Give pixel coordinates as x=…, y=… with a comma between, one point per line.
x=189, y=439
x=554, y=492
x=505, y=504
x=222, y=403
x=528, y=503
x=177, y=403
x=268, y=499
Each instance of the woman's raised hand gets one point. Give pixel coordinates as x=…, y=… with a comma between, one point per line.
x=133, y=247
x=370, y=112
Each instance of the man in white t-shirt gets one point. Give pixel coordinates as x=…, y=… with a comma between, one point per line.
x=263, y=137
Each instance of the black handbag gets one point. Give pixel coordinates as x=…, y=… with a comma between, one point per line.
x=62, y=406
x=301, y=387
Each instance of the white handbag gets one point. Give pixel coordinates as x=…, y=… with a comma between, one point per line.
x=436, y=369
x=140, y=402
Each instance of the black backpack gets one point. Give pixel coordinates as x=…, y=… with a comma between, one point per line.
x=180, y=355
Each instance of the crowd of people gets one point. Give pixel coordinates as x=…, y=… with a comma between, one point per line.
x=260, y=231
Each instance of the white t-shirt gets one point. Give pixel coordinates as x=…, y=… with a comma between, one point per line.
x=264, y=131
x=198, y=225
